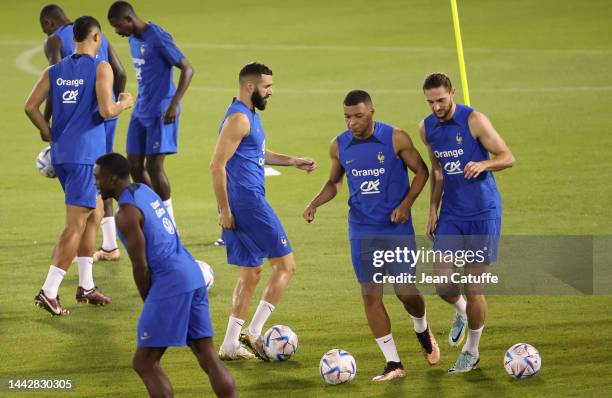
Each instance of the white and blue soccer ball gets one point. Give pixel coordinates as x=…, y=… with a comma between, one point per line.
x=43, y=163
x=208, y=273
x=280, y=342
x=338, y=366
x=522, y=360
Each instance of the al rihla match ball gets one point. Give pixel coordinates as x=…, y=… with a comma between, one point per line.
x=522, y=360
x=280, y=342
x=338, y=366
x=43, y=163
x=208, y=273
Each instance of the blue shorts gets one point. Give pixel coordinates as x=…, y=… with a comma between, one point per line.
x=371, y=258
x=148, y=136
x=174, y=321
x=78, y=184
x=480, y=235
x=258, y=234
x=110, y=126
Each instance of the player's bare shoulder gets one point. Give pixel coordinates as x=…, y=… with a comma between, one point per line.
x=333, y=148
x=236, y=124
x=401, y=140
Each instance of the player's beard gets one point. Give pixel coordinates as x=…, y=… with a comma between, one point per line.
x=259, y=102
x=448, y=111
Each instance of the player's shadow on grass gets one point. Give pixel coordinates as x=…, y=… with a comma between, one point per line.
x=75, y=349
x=434, y=377
x=288, y=385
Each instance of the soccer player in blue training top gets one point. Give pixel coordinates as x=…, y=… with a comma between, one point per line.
x=153, y=130
x=80, y=88
x=60, y=44
x=251, y=229
x=168, y=278
x=375, y=157
x=459, y=140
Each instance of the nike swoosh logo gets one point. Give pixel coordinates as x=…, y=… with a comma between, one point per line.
x=386, y=341
x=455, y=339
x=55, y=310
x=144, y=337
x=350, y=161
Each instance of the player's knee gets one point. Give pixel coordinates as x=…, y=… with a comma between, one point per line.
x=410, y=298
x=446, y=290
x=140, y=366
x=372, y=300
x=76, y=226
x=288, y=269
x=155, y=166
x=136, y=170
x=285, y=266
x=252, y=275
x=474, y=295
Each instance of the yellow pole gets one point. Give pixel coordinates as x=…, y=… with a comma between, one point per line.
x=464, y=81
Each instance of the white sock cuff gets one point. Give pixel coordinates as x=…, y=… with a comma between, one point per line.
x=85, y=265
x=479, y=330
x=388, y=348
x=58, y=270
x=382, y=339
x=460, y=306
x=265, y=303
x=420, y=324
x=237, y=320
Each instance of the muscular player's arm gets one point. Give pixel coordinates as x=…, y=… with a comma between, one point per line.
x=483, y=130
x=129, y=220
x=235, y=128
x=278, y=159
x=184, y=80
x=435, y=183
x=104, y=93
x=53, y=52
x=119, y=76
x=39, y=94
x=404, y=148
x=330, y=187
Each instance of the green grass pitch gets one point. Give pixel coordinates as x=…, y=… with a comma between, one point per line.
x=539, y=70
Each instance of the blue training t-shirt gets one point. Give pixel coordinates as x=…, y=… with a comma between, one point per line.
x=377, y=179
x=245, y=169
x=65, y=34
x=154, y=55
x=77, y=129
x=454, y=146
x=173, y=269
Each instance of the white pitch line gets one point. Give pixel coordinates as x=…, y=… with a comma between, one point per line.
x=23, y=62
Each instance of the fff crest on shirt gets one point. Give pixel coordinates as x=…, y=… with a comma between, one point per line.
x=459, y=138
x=142, y=50
x=381, y=157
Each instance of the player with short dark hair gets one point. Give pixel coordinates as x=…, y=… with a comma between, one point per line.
x=153, y=130
x=168, y=278
x=459, y=140
x=60, y=44
x=375, y=157
x=251, y=229
x=81, y=92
